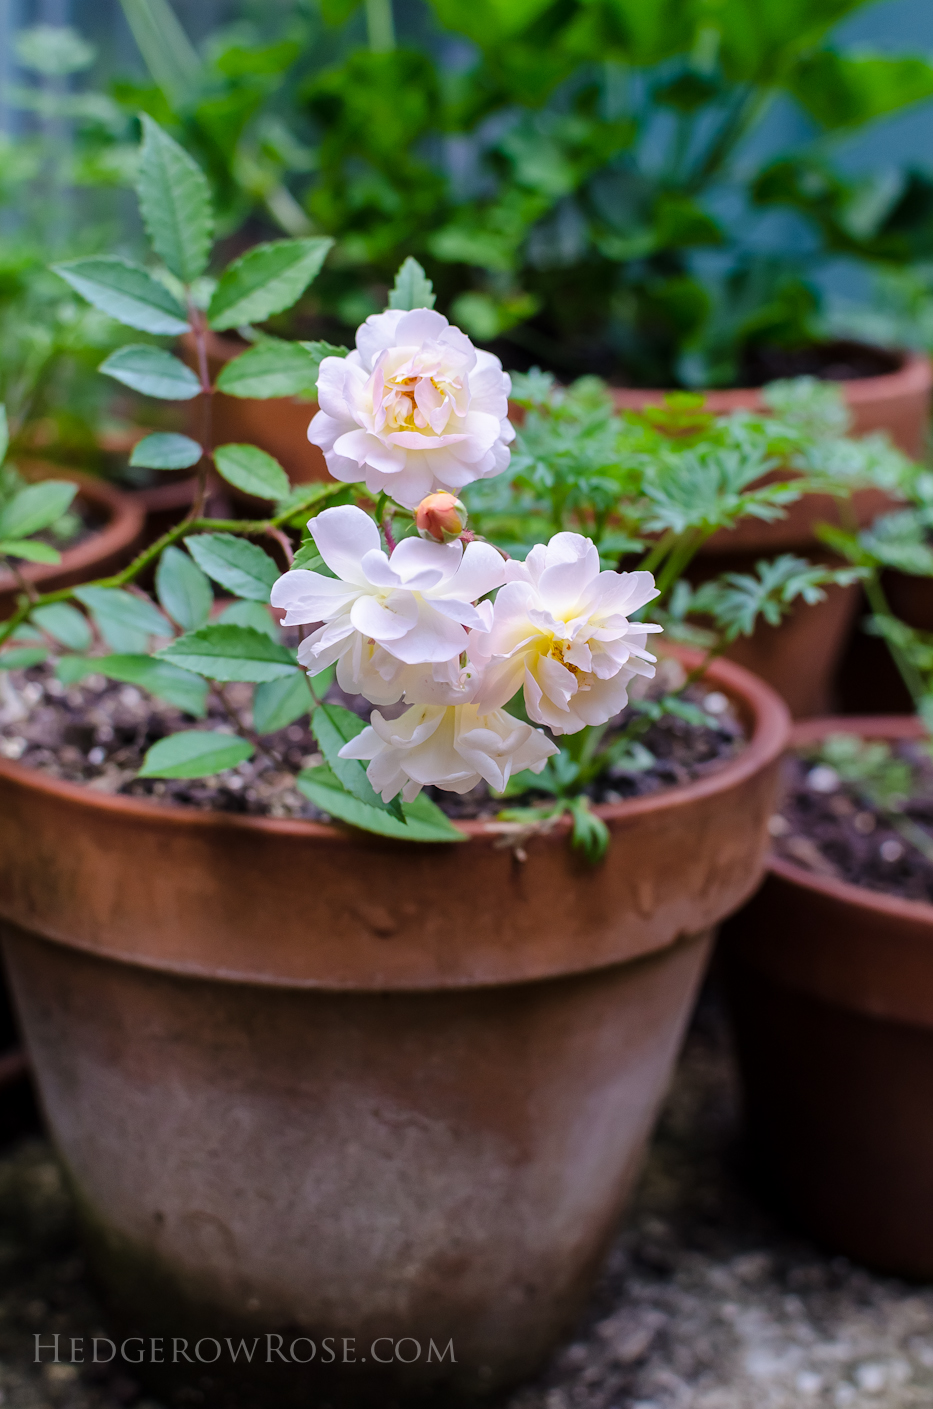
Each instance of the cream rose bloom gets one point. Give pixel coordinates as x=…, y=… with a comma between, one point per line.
x=561, y=632
x=414, y=409
x=449, y=747
x=394, y=624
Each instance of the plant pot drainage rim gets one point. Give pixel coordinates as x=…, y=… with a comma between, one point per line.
x=764, y=712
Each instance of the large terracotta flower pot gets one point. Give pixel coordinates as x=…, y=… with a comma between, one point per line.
x=831, y=992
x=105, y=550
x=311, y=1081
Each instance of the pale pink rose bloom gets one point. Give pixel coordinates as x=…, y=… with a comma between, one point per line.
x=414, y=409
x=561, y=632
x=450, y=748
x=382, y=613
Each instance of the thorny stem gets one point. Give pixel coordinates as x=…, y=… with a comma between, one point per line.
x=387, y=530
x=246, y=528
x=199, y=328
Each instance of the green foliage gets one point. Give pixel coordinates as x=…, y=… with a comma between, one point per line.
x=333, y=727
x=167, y=682
x=166, y=451
x=152, y=371
x=239, y=566
x=65, y=624
x=278, y=703
x=274, y=368
x=175, y=202
x=736, y=601
x=35, y=507
x=183, y=589
x=412, y=287
x=226, y=652
x=126, y=292
x=424, y=821
x=265, y=280
x=126, y=622
x=252, y=470
x=197, y=753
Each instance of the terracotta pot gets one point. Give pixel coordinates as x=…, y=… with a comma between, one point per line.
x=897, y=402
x=104, y=551
x=279, y=426
x=831, y=991
x=800, y=657
x=309, y=1078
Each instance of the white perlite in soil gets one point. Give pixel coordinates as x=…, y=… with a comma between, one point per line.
x=706, y=1302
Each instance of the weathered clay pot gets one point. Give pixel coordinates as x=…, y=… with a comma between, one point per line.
x=831, y=992
x=310, y=1080
x=279, y=426
x=897, y=402
x=104, y=551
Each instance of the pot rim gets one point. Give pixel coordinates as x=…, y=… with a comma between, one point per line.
x=914, y=375
x=762, y=707
x=866, y=726
x=124, y=524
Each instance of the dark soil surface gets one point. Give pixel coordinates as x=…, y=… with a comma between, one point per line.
x=706, y=1300
x=831, y=828
x=98, y=731
x=841, y=361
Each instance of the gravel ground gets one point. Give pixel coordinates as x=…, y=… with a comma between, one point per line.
x=707, y=1302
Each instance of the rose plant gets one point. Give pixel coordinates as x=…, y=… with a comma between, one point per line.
x=512, y=662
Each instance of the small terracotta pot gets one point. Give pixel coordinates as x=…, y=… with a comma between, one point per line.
x=897, y=402
x=279, y=426
x=311, y=1080
x=831, y=991
x=102, y=552
x=800, y=658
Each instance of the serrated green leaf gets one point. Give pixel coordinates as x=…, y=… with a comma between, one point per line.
x=412, y=287
x=252, y=470
x=278, y=703
x=333, y=726
x=174, y=199
x=197, y=753
x=179, y=687
x=70, y=669
x=223, y=652
x=166, y=451
x=125, y=291
x=309, y=557
x=265, y=280
x=252, y=614
x=125, y=621
x=240, y=566
x=29, y=550
x=35, y=507
x=423, y=821
x=271, y=369
x=65, y=624
x=21, y=658
x=183, y=589
x=152, y=371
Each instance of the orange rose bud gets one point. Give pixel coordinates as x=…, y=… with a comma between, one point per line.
x=440, y=518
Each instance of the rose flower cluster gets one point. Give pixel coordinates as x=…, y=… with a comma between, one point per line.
x=415, y=410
